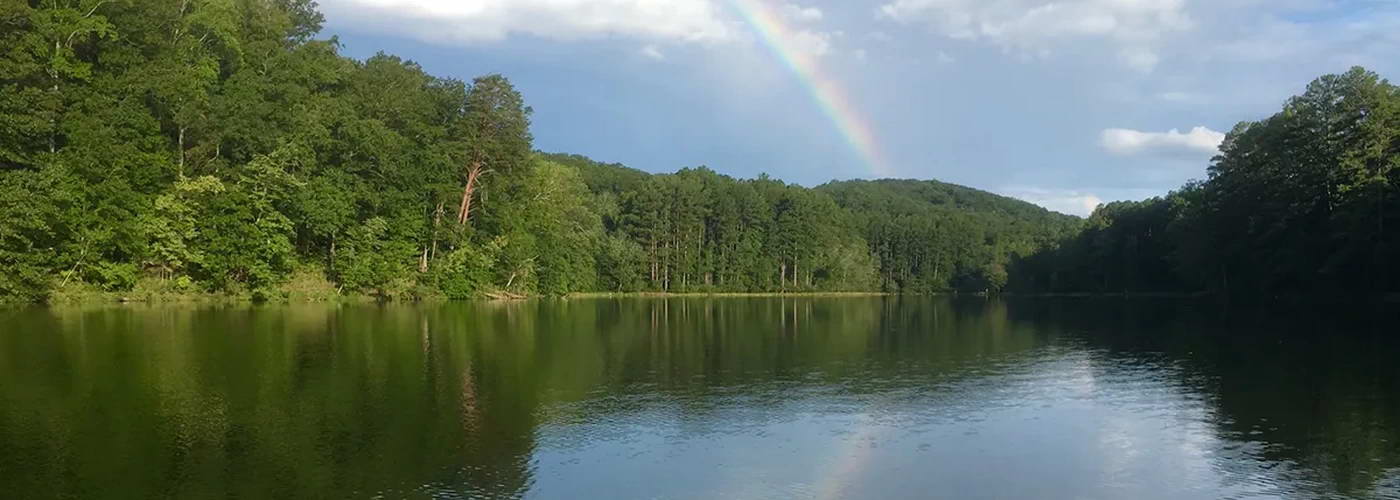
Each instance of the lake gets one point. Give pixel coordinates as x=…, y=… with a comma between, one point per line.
x=701, y=398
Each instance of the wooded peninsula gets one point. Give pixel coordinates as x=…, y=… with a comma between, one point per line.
x=151, y=148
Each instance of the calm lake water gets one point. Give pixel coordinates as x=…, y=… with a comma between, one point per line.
x=701, y=399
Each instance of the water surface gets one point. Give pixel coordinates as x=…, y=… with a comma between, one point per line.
x=731, y=398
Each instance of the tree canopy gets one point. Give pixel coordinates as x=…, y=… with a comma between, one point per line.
x=1298, y=203
x=218, y=146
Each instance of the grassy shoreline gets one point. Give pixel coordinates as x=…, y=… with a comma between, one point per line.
x=629, y=295
x=319, y=293
x=84, y=296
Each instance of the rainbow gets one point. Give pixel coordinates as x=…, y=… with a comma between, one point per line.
x=833, y=100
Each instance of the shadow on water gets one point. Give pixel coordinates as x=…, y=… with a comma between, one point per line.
x=1312, y=390
x=700, y=398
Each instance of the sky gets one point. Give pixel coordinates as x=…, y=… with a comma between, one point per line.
x=1063, y=103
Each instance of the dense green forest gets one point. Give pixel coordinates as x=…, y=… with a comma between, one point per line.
x=216, y=146
x=1297, y=204
x=157, y=148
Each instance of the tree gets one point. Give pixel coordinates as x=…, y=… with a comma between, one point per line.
x=497, y=131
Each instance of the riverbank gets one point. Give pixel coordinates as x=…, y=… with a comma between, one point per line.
x=623, y=295
x=304, y=286
x=315, y=288
x=83, y=295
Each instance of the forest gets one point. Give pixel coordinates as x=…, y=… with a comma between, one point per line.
x=151, y=148
x=1295, y=205
x=156, y=148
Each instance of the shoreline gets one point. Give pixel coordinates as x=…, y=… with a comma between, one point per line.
x=644, y=295
x=185, y=299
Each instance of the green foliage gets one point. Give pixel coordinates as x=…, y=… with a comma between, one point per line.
x=115, y=275
x=172, y=226
x=34, y=208
x=496, y=124
x=568, y=231
x=213, y=146
x=931, y=236
x=620, y=265
x=1297, y=203
x=373, y=259
x=465, y=272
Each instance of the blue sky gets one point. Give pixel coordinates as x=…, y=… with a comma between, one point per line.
x=1065, y=103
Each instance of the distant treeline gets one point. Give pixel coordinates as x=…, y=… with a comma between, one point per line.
x=152, y=147
x=1299, y=204
x=696, y=231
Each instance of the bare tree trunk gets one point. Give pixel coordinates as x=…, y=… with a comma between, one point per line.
x=651, y=257
x=437, y=221
x=53, y=121
x=182, y=151
x=464, y=211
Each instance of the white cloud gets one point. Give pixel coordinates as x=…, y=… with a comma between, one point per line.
x=1034, y=28
x=1065, y=201
x=944, y=58
x=1128, y=142
x=809, y=42
x=479, y=21
x=812, y=43
x=800, y=13
x=653, y=52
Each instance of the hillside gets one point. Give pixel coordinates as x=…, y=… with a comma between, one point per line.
x=930, y=235
x=917, y=235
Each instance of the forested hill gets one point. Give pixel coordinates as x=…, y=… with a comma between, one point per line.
x=614, y=178
x=933, y=236
x=893, y=197
x=151, y=148
x=874, y=201
x=909, y=196
x=704, y=231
